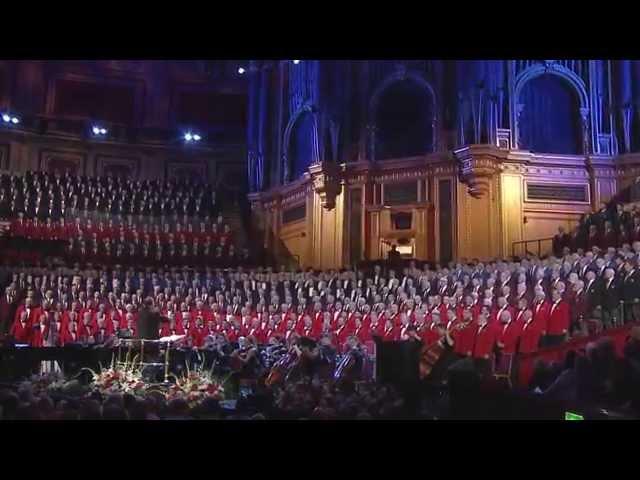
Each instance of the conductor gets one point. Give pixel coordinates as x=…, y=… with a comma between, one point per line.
x=149, y=321
x=393, y=257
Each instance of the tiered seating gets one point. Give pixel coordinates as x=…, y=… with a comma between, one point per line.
x=111, y=220
x=612, y=226
x=514, y=307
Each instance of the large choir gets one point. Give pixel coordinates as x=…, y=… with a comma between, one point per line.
x=481, y=308
x=110, y=220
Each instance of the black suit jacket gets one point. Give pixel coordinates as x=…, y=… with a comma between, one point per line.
x=149, y=324
x=611, y=295
x=631, y=287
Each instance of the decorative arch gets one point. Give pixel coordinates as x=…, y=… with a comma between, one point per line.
x=306, y=109
x=571, y=79
x=400, y=75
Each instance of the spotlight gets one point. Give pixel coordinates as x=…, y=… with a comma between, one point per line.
x=197, y=137
x=188, y=137
x=296, y=62
x=97, y=130
x=6, y=118
x=15, y=120
x=241, y=70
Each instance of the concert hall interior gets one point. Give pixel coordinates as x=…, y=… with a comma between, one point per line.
x=319, y=239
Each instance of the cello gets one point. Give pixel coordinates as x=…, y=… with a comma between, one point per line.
x=430, y=354
x=282, y=368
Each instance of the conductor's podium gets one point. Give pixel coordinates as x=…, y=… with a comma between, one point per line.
x=147, y=351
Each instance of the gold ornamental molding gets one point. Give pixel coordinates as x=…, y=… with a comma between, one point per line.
x=477, y=165
x=326, y=181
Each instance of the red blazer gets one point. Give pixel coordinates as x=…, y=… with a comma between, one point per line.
x=317, y=321
x=309, y=332
x=484, y=342
x=465, y=339
x=377, y=329
x=34, y=315
x=391, y=334
x=509, y=335
x=541, y=316
x=67, y=337
x=86, y=331
x=21, y=333
x=430, y=335
x=363, y=333
x=342, y=334
x=231, y=334
x=197, y=336
x=495, y=316
x=559, y=319
x=530, y=337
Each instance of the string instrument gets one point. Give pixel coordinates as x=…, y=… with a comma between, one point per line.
x=239, y=358
x=430, y=354
x=345, y=366
x=281, y=369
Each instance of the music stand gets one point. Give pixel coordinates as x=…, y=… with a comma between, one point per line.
x=133, y=342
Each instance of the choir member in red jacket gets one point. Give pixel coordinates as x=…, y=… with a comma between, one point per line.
x=39, y=332
x=256, y=331
x=466, y=334
x=559, y=319
x=541, y=309
x=342, y=332
x=69, y=333
x=197, y=333
x=391, y=333
x=21, y=329
x=362, y=331
x=484, y=342
x=33, y=311
x=531, y=334
x=431, y=334
x=306, y=329
x=508, y=335
x=501, y=306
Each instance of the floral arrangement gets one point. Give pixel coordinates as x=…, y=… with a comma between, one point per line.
x=196, y=385
x=126, y=378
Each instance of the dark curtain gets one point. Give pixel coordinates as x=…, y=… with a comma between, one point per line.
x=550, y=119
x=404, y=121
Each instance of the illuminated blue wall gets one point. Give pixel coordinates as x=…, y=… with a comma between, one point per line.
x=373, y=110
